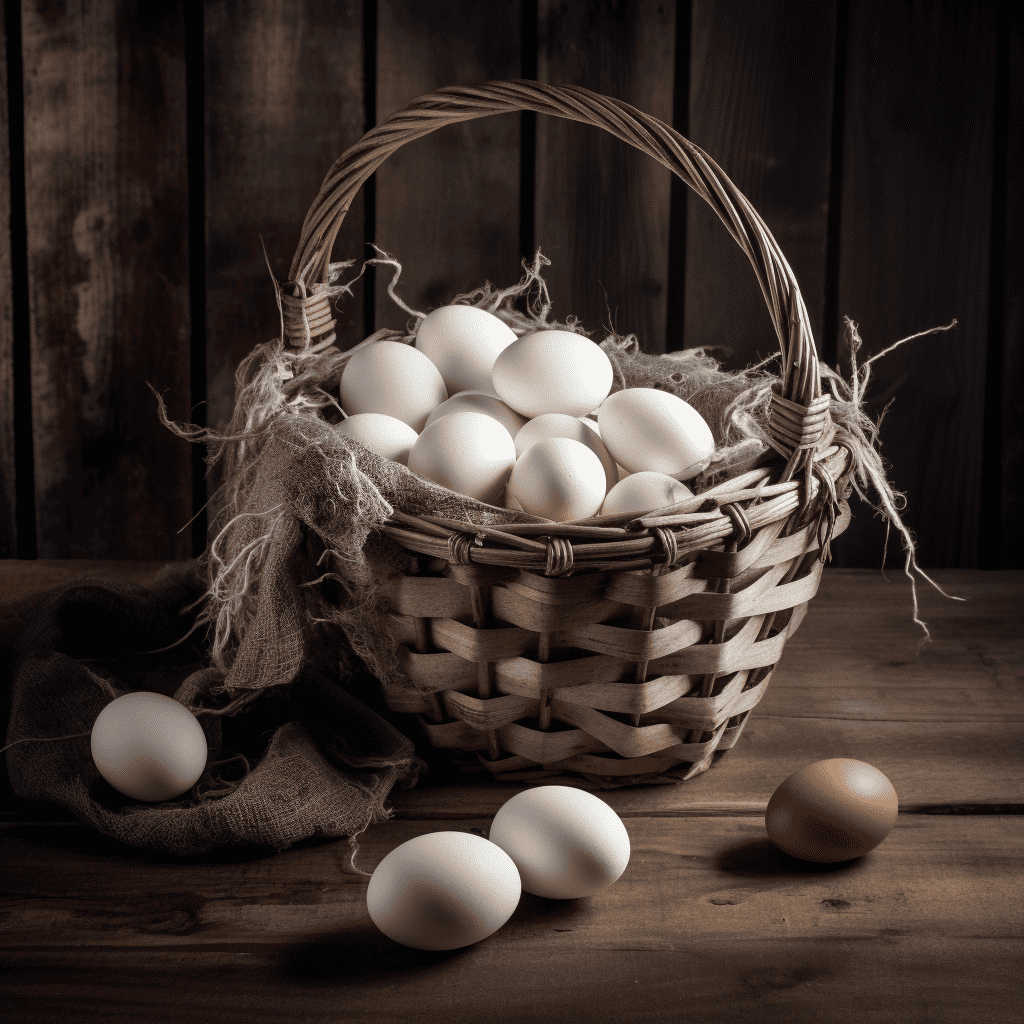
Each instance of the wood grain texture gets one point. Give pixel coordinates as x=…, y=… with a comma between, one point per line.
x=601, y=209
x=707, y=909
x=8, y=474
x=1012, y=455
x=106, y=206
x=761, y=97
x=447, y=205
x=917, y=199
x=284, y=98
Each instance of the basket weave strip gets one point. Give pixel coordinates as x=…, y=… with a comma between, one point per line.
x=532, y=711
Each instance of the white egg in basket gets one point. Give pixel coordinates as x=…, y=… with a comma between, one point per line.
x=392, y=378
x=558, y=479
x=463, y=342
x=552, y=371
x=467, y=452
x=650, y=429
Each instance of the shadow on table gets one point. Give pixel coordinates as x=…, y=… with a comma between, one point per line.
x=358, y=954
x=366, y=952
x=760, y=858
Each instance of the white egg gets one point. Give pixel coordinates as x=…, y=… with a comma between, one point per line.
x=566, y=842
x=443, y=890
x=649, y=429
x=558, y=479
x=148, y=746
x=552, y=371
x=644, y=492
x=510, y=501
x=558, y=424
x=480, y=401
x=463, y=342
x=389, y=437
x=467, y=452
x=394, y=379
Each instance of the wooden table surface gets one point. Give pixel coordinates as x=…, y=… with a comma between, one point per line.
x=709, y=922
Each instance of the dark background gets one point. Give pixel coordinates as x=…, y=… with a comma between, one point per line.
x=148, y=149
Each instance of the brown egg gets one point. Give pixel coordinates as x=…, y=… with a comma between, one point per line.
x=831, y=811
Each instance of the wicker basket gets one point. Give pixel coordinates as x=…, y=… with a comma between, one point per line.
x=621, y=648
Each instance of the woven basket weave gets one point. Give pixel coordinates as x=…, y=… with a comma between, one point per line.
x=624, y=648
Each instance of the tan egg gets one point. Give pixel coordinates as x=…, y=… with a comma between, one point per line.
x=394, y=379
x=831, y=811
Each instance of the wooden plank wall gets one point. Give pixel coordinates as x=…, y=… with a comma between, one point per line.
x=155, y=150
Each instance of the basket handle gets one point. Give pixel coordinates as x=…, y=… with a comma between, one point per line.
x=799, y=416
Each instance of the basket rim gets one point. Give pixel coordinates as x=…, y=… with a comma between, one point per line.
x=732, y=513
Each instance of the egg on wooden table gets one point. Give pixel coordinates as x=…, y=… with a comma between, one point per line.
x=481, y=401
x=443, y=890
x=831, y=811
x=552, y=371
x=558, y=479
x=463, y=342
x=650, y=429
x=567, y=843
x=389, y=437
x=148, y=746
x=644, y=492
x=394, y=379
x=558, y=424
x=467, y=452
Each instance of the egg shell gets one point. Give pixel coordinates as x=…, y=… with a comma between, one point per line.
x=443, y=890
x=552, y=371
x=389, y=437
x=650, y=429
x=831, y=811
x=148, y=746
x=558, y=424
x=481, y=401
x=392, y=378
x=566, y=842
x=467, y=452
x=510, y=502
x=644, y=492
x=463, y=342
x=558, y=479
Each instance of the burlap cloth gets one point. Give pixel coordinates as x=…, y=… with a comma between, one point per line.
x=305, y=761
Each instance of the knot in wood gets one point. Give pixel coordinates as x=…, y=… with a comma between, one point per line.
x=796, y=426
x=559, y=556
x=308, y=321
